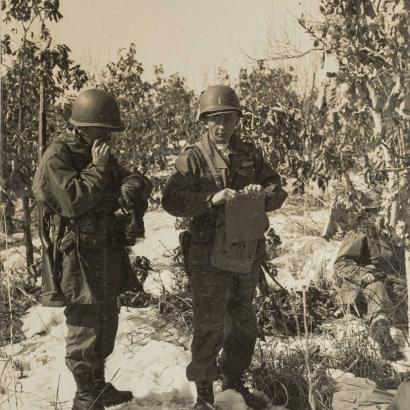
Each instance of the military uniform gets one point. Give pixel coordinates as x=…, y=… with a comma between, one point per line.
x=95, y=266
x=371, y=252
x=361, y=253
x=222, y=300
x=79, y=186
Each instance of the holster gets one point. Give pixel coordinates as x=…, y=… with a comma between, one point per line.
x=51, y=294
x=184, y=241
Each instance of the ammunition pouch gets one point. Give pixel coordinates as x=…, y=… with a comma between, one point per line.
x=184, y=241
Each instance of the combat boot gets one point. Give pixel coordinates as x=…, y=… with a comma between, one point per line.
x=86, y=396
x=236, y=383
x=109, y=395
x=205, y=396
x=380, y=333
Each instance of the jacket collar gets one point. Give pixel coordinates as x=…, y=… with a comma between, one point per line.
x=217, y=158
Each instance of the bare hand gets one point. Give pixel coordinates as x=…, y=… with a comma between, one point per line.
x=100, y=153
x=223, y=196
x=368, y=278
x=254, y=190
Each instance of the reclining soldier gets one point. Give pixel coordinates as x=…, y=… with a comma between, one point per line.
x=208, y=175
x=370, y=267
x=80, y=185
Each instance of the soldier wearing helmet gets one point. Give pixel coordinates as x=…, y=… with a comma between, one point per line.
x=81, y=186
x=370, y=270
x=217, y=170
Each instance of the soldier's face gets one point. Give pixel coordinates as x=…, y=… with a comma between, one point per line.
x=98, y=133
x=221, y=126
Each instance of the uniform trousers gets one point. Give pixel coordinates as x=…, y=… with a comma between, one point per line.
x=223, y=317
x=91, y=332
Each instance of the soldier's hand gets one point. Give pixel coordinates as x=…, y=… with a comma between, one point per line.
x=368, y=278
x=254, y=190
x=100, y=153
x=223, y=196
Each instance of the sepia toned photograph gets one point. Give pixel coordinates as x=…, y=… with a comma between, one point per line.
x=205, y=205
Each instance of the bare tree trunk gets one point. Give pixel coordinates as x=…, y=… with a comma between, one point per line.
x=25, y=197
x=404, y=195
x=399, y=182
x=28, y=242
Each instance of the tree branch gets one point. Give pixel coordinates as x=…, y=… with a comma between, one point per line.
x=284, y=56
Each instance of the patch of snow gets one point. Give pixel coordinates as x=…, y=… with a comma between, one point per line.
x=154, y=370
x=161, y=237
x=40, y=320
x=305, y=261
x=13, y=258
x=230, y=400
x=155, y=283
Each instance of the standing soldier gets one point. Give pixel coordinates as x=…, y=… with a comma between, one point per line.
x=79, y=185
x=209, y=175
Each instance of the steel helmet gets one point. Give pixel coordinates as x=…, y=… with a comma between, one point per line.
x=218, y=98
x=96, y=108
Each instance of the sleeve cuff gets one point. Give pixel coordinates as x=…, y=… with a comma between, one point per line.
x=208, y=201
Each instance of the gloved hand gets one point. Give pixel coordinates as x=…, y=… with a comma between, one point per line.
x=135, y=189
x=368, y=278
x=373, y=275
x=135, y=228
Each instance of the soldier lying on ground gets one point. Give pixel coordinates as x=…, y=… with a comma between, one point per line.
x=208, y=175
x=370, y=267
x=81, y=185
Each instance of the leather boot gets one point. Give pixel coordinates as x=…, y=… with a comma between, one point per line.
x=380, y=333
x=236, y=383
x=205, y=396
x=109, y=395
x=86, y=396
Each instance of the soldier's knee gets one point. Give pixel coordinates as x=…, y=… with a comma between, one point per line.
x=201, y=327
x=376, y=288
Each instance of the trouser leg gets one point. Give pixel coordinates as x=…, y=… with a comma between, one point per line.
x=378, y=302
x=108, y=327
x=210, y=294
x=91, y=332
x=82, y=335
x=240, y=324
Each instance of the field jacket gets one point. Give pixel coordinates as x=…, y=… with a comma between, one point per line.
x=189, y=188
x=95, y=265
x=366, y=252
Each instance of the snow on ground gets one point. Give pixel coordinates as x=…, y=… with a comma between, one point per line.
x=13, y=261
x=149, y=359
x=305, y=261
x=150, y=356
x=310, y=257
x=161, y=237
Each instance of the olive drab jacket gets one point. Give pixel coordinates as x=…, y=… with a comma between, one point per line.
x=190, y=187
x=364, y=252
x=95, y=266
